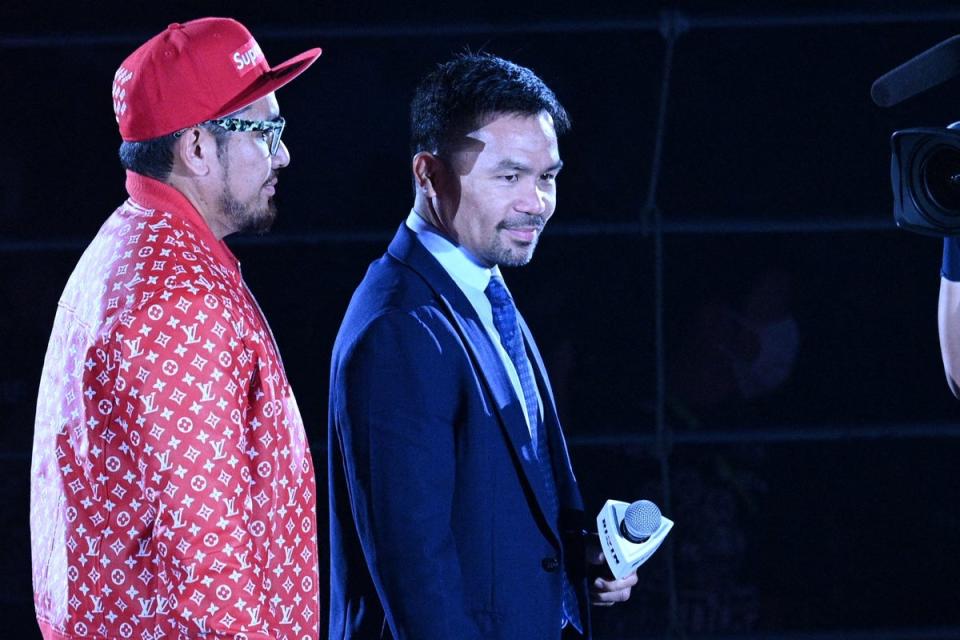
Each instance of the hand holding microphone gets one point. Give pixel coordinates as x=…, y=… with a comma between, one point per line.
x=630, y=534
x=605, y=590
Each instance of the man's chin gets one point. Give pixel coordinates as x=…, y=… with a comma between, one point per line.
x=244, y=219
x=262, y=221
x=516, y=258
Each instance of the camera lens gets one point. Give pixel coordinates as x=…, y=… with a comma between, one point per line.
x=941, y=178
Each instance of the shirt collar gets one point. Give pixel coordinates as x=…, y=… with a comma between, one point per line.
x=153, y=194
x=455, y=260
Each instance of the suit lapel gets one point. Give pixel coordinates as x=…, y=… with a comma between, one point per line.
x=566, y=483
x=490, y=370
x=572, y=521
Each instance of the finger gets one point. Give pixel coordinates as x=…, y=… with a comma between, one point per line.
x=630, y=580
x=615, y=585
x=608, y=598
x=598, y=603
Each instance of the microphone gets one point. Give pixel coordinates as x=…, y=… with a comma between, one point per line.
x=630, y=533
x=934, y=66
x=640, y=521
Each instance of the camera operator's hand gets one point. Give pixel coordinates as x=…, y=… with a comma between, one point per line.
x=948, y=316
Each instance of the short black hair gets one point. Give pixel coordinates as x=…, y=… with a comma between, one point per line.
x=154, y=158
x=459, y=95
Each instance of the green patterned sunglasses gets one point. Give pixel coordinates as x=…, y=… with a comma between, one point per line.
x=272, y=128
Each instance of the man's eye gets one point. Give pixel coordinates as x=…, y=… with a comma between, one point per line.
x=548, y=177
x=510, y=178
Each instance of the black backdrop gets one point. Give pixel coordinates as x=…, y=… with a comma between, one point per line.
x=735, y=328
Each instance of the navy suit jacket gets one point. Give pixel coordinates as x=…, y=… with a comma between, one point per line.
x=437, y=505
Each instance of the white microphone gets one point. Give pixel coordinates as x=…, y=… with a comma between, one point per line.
x=630, y=533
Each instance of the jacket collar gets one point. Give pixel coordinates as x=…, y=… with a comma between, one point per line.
x=148, y=193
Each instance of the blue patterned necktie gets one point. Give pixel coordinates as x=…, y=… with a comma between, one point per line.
x=505, y=322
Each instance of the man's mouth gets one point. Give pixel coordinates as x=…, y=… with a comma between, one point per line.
x=524, y=235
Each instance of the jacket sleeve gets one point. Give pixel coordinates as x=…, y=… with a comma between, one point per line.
x=395, y=395
x=192, y=482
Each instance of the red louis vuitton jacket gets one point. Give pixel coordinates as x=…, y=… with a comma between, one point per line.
x=173, y=493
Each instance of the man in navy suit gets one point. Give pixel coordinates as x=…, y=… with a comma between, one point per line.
x=454, y=512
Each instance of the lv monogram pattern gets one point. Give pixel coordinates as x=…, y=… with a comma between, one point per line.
x=173, y=493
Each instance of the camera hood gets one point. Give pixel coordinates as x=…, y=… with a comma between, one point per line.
x=925, y=175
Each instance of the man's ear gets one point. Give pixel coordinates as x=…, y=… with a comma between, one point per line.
x=194, y=151
x=428, y=172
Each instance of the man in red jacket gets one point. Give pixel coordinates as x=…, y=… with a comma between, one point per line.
x=173, y=493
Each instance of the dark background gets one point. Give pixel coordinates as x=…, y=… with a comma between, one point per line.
x=735, y=328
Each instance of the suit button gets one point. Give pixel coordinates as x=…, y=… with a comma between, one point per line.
x=550, y=564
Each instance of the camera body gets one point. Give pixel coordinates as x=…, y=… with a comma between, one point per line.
x=925, y=175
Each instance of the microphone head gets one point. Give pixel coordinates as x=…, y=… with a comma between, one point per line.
x=640, y=521
x=934, y=66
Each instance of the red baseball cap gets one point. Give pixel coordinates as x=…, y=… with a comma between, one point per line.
x=194, y=72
